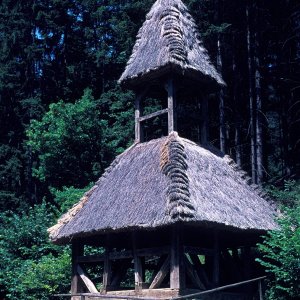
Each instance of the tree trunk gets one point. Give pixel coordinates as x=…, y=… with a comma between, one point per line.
x=251, y=101
x=237, y=136
x=221, y=103
x=259, y=132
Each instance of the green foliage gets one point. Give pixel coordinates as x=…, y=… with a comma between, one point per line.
x=281, y=248
x=37, y=279
x=67, y=196
x=70, y=143
x=31, y=267
x=116, y=108
x=289, y=195
x=75, y=142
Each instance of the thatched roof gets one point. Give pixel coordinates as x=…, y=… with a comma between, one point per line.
x=164, y=181
x=169, y=41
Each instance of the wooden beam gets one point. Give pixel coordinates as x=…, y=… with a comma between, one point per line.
x=89, y=284
x=121, y=270
x=216, y=261
x=121, y=255
x=193, y=274
x=225, y=287
x=77, y=250
x=198, y=250
x=107, y=265
x=153, y=115
x=171, y=105
x=138, y=128
x=260, y=291
x=161, y=274
x=116, y=255
x=153, y=251
x=177, y=276
x=138, y=272
x=200, y=269
x=90, y=258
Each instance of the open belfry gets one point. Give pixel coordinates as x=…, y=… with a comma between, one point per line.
x=170, y=216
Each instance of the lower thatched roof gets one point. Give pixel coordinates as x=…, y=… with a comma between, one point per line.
x=164, y=181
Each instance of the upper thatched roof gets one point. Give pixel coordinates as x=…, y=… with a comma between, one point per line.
x=169, y=40
x=164, y=181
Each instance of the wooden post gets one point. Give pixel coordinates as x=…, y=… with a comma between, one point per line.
x=76, y=285
x=138, y=127
x=216, y=262
x=260, y=291
x=171, y=106
x=177, y=276
x=138, y=272
x=107, y=266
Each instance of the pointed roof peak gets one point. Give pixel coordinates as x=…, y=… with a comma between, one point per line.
x=169, y=41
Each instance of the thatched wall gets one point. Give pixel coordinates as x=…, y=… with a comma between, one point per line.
x=169, y=41
x=164, y=181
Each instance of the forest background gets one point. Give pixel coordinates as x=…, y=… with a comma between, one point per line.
x=63, y=118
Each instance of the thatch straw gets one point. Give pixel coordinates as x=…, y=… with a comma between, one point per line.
x=164, y=181
x=169, y=41
x=173, y=165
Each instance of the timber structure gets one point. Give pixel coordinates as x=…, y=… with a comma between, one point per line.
x=170, y=216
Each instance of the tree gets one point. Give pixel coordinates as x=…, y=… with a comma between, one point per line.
x=75, y=142
x=281, y=248
x=31, y=267
x=70, y=143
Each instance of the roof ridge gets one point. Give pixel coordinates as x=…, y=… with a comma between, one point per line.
x=173, y=164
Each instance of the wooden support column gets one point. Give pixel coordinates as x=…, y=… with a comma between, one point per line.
x=260, y=290
x=138, y=126
x=216, y=260
x=171, y=106
x=177, y=272
x=76, y=284
x=138, y=272
x=107, y=265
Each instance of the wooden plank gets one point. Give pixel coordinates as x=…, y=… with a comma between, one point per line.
x=89, y=284
x=161, y=274
x=198, y=250
x=77, y=250
x=193, y=274
x=153, y=115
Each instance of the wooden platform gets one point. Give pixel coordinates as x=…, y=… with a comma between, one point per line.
x=165, y=294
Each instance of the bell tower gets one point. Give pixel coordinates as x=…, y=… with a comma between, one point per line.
x=169, y=54
x=167, y=207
